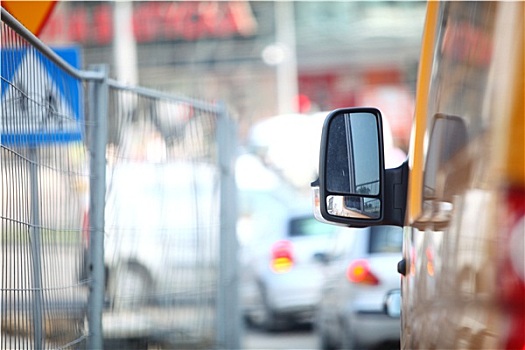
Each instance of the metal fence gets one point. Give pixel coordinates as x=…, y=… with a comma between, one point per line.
x=118, y=209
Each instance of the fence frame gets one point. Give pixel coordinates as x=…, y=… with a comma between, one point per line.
x=98, y=114
x=228, y=320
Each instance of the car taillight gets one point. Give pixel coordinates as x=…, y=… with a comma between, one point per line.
x=359, y=272
x=282, y=256
x=511, y=272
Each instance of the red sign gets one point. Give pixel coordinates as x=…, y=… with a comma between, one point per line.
x=153, y=21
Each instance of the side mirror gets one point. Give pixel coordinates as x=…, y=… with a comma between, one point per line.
x=353, y=188
x=392, y=303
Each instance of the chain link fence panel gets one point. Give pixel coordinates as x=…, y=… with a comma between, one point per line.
x=118, y=209
x=43, y=192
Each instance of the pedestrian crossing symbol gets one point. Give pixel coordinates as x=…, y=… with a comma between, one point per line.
x=40, y=102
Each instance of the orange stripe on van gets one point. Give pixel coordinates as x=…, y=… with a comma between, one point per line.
x=420, y=117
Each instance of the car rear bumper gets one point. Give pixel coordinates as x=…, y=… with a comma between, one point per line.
x=370, y=328
x=297, y=299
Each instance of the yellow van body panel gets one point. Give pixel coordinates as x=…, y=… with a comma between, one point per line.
x=509, y=96
x=467, y=153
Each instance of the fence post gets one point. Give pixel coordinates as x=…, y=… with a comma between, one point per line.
x=98, y=117
x=228, y=320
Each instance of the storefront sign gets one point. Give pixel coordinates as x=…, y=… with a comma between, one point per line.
x=153, y=22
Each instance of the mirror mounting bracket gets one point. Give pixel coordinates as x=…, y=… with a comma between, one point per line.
x=396, y=184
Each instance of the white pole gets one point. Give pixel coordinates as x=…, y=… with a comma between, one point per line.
x=124, y=45
x=287, y=85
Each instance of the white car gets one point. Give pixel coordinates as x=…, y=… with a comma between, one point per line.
x=161, y=233
x=280, y=279
x=360, y=272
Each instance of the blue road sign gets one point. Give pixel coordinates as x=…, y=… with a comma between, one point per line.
x=39, y=102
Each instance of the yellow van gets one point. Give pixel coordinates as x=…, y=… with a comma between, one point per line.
x=460, y=196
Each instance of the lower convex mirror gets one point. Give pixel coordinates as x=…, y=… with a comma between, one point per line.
x=353, y=206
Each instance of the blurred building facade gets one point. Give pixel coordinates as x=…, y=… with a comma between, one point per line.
x=347, y=53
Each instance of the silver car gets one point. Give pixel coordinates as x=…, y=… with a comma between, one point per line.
x=360, y=273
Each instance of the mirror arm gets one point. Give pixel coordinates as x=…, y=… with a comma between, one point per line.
x=396, y=184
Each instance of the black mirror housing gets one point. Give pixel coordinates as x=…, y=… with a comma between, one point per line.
x=354, y=189
x=396, y=183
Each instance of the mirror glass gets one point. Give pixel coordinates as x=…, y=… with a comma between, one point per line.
x=352, y=159
x=353, y=206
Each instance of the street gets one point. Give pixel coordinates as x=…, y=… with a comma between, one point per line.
x=300, y=338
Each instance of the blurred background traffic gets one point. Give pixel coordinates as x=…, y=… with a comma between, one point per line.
x=261, y=58
x=278, y=67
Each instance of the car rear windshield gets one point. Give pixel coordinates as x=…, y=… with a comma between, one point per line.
x=386, y=239
x=309, y=226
